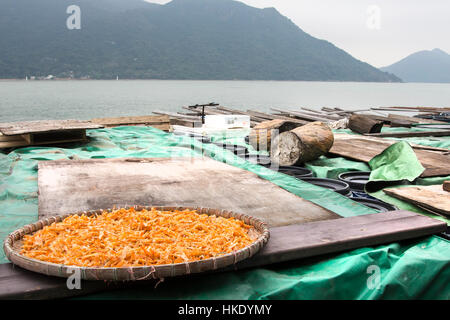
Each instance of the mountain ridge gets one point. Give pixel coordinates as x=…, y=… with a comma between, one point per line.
x=183, y=39
x=432, y=66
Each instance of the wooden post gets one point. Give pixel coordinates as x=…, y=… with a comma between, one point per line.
x=363, y=124
x=303, y=144
x=262, y=134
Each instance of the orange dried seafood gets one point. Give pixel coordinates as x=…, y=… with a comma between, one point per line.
x=131, y=238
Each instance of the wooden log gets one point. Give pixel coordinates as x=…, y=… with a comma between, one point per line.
x=274, y=116
x=301, y=144
x=362, y=124
x=446, y=186
x=262, y=134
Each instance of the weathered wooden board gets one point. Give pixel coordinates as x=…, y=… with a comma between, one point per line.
x=364, y=148
x=160, y=122
x=285, y=244
x=409, y=134
x=24, y=127
x=446, y=186
x=273, y=117
x=67, y=186
x=433, y=198
x=413, y=119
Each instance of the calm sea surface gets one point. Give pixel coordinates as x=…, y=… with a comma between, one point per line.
x=34, y=100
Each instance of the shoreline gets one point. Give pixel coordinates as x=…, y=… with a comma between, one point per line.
x=218, y=80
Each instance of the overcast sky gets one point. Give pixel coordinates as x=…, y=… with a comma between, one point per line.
x=379, y=32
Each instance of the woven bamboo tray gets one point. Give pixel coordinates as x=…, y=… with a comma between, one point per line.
x=13, y=244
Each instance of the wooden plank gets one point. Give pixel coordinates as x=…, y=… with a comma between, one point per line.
x=408, y=134
x=322, y=237
x=69, y=186
x=302, y=115
x=261, y=115
x=285, y=244
x=413, y=119
x=326, y=115
x=253, y=118
x=25, y=127
x=18, y=283
x=134, y=120
x=176, y=115
x=275, y=117
x=387, y=142
x=435, y=163
x=425, y=109
x=432, y=197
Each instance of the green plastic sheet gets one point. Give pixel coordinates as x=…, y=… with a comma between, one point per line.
x=411, y=270
x=397, y=164
x=341, y=276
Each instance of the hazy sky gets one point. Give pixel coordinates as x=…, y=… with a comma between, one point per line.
x=379, y=32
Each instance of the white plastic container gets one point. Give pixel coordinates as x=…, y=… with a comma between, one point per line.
x=227, y=121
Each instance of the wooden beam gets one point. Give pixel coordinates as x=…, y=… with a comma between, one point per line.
x=413, y=119
x=176, y=115
x=133, y=120
x=318, y=238
x=302, y=115
x=431, y=197
x=407, y=134
x=234, y=111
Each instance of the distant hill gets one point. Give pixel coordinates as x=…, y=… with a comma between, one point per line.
x=423, y=66
x=183, y=39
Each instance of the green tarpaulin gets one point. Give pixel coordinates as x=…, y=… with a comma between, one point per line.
x=396, y=165
x=349, y=275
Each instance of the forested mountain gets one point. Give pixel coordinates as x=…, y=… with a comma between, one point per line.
x=183, y=39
